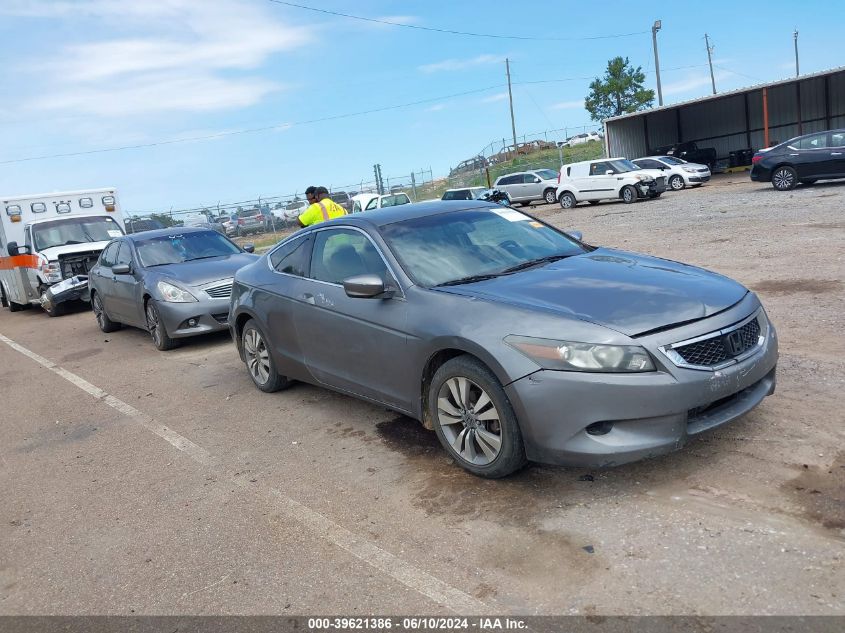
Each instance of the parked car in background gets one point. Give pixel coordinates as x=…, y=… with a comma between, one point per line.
x=690, y=152
x=580, y=139
x=465, y=193
x=368, y=201
x=476, y=163
x=518, y=341
x=607, y=179
x=174, y=283
x=803, y=159
x=245, y=222
x=679, y=172
x=136, y=225
x=291, y=211
x=527, y=186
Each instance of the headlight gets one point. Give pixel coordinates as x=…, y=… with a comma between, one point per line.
x=174, y=294
x=574, y=356
x=642, y=177
x=691, y=170
x=52, y=272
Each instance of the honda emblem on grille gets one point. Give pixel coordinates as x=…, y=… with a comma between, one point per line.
x=733, y=343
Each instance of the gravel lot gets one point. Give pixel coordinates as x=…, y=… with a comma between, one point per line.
x=160, y=483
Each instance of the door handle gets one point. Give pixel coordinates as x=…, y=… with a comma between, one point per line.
x=793, y=154
x=309, y=298
x=836, y=153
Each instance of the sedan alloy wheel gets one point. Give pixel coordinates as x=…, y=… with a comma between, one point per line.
x=784, y=178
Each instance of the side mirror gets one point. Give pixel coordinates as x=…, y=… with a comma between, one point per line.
x=122, y=269
x=14, y=249
x=364, y=286
x=578, y=235
x=609, y=172
x=536, y=180
x=249, y=248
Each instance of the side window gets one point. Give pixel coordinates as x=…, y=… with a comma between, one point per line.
x=816, y=141
x=291, y=258
x=837, y=139
x=343, y=253
x=124, y=255
x=599, y=169
x=109, y=255
x=372, y=204
x=28, y=238
x=530, y=179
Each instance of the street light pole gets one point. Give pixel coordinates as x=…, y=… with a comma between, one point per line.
x=795, y=38
x=510, y=99
x=654, y=29
x=710, y=61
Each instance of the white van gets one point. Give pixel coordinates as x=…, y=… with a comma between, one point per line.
x=49, y=242
x=607, y=179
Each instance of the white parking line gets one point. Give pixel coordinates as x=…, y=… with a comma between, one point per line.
x=317, y=524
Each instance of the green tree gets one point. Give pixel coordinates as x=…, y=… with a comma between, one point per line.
x=620, y=91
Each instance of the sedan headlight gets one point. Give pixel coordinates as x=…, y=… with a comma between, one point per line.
x=174, y=294
x=574, y=356
x=691, y=170
x=642, y=177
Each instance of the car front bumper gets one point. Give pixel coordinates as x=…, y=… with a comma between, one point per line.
x=212, y=315
x=698, y=178
x=649, y=414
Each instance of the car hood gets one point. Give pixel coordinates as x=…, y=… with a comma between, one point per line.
x=628, y=293
x=203, y=271
x=53, y=253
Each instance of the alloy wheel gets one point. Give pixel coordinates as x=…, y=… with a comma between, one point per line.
x=469, y=421
x=677, y=183
x=550, y=197
x=783, y=179
x=97, y=304
x=153, y=324
x=628, y=195
x=257, y=356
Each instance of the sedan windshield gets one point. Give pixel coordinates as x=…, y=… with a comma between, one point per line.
x=465, y=246
x=547, y=174
x=671, y=160
x=184, y=247
x=621, y=166
x=79, y=230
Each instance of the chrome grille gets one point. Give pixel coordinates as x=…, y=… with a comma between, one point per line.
x=719, y=349
x=223, y=291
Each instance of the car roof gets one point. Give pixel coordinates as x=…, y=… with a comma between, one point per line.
x=466, y=188
x=180, y=230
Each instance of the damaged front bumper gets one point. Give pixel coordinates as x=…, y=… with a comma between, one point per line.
x=73, y=289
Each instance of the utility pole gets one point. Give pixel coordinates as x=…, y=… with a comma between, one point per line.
x=510, y=98
x=654, y=29
x=710, y=61
x=795, y=38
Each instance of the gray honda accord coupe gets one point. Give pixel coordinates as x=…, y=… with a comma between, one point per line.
x=512, y=340
x=173, y=282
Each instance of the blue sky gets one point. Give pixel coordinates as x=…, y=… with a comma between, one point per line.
x=82, y=75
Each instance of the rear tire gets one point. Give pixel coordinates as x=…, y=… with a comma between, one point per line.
x=474, y=419
x=676, y=182
x=628, y=194
x=784, y=178
x=567, y=200
x=157, y=329
x=103, y=320
x=549, y=196
x=259, y=361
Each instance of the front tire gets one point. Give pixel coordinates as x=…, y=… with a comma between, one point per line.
x=628, y=194
x=103, y=320
x=259, y=362
x=549, y=196
x=567, y=200
x=676, y=182
x=157, y=329
x=474, y=419
x=784, y=178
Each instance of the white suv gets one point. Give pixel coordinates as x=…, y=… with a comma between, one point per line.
x=528, y=186
x=607, y=179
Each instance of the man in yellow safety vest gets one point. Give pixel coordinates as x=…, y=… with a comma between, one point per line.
x=321, y=208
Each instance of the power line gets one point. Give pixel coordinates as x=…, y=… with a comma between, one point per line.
x=451, y=31
x=280, y=126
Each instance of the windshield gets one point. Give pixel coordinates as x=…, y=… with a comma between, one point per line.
x=183, y=247
x=74, y=231
x=621, y=166
x=447, y=247
x=671, y=160
x=547, y=174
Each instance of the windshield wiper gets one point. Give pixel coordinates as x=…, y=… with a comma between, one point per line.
x=533, y=262
x=467, y=280
x=193, y=259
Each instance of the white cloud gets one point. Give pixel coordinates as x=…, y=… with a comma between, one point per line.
x=400, y=19
x=437, y=107
x=567, y=105
x=181, y=55
x=461, y=64
x=501, y=96
x=691, y=82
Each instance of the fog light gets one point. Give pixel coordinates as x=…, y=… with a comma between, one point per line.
x=599, y=428
x=192, y=323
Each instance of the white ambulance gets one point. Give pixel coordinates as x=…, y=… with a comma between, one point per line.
x=49, y=242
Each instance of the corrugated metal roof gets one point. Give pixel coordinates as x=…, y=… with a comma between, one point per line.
x=730, y=93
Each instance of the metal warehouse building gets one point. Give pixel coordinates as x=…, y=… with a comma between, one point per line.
x=748, y=118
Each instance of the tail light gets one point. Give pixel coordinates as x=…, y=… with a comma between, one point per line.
x=756, y=159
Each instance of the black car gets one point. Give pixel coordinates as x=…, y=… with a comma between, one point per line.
x=803, y=159
x=136, y=225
